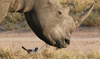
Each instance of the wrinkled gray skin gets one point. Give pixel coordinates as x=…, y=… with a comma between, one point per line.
x=49, y=21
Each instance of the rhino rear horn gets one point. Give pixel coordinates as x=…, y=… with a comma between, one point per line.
x=67, y=10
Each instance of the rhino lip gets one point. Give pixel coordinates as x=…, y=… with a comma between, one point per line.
x=63, y=44
x=59, y=45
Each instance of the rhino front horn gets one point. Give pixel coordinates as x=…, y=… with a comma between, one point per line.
x=78, y=20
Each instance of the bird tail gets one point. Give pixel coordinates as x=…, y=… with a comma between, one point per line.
x=24, y=48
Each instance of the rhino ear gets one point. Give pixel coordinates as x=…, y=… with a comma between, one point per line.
x=67, y=10
x=4, y=6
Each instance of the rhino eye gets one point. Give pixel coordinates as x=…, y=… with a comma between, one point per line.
x=59, y=12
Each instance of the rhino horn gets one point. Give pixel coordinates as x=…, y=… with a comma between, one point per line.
x=78, y=20
x=85, y=15
x=67, y=10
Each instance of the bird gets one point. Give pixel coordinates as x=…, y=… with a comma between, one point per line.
x=36, y=49
x=30, y=50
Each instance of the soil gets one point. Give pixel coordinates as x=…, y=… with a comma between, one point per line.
x=83, y=39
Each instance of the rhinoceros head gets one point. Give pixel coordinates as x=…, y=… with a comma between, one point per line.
x=52, y=23
x=49, y=21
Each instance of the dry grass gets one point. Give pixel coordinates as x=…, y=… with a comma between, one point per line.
x=48, y=54
x=14, y=21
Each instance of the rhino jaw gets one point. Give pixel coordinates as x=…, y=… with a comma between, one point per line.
x=60, y=44
x=57, y=37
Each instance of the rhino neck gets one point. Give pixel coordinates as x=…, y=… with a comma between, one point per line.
x=21, y=6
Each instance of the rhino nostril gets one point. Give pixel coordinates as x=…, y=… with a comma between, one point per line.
x=59, y=12
x=67, y=41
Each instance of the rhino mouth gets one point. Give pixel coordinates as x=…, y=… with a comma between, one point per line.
x=63, y=44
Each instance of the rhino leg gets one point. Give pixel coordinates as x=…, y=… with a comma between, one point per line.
x=4, y=7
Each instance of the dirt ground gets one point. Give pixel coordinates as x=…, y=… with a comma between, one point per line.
x=82, y=40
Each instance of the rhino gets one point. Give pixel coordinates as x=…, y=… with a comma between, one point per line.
x=47, y=18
